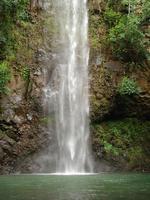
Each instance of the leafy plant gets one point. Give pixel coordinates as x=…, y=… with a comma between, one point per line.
x=95, y=22
x=131, y=4
x=4, y=77
x=109, y=148
x=111, y=17
x=126, y=36
x=127, y=40
x=114, y=4
x=124, y=141
x=25, y=73
x=11, y=12
x=128, y=87
x=145, y=11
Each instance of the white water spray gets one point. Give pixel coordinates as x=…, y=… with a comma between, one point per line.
x=71, y=102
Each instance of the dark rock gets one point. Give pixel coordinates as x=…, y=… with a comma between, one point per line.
x=104, y=99
x=1, y=153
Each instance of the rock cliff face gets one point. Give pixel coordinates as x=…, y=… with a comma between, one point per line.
x=119, y=124
x=105, y=100
x=113, y=113
x=21, y=131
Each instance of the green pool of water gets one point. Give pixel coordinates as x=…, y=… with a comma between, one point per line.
x=88, y=187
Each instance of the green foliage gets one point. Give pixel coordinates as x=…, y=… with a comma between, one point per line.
x=128, y=87
x=24, y=15
x=12, y=7
x=95, y=23
x=11, y=11
x=124, y=140
x=126, y=36
x=110, y=149
x=146, y=11
x=4, y=77
x=127, y=40
x=114, y=4
x=25, y=73
x=131, y=4
x=111, y=17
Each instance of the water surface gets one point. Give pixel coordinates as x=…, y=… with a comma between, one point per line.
x=88, y=187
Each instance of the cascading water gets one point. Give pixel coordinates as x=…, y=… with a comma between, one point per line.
x=71, y=98
x=73, y=107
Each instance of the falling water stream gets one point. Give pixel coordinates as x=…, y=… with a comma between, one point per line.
x=71, y=102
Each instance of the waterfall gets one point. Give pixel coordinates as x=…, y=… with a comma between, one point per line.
x=71, y=76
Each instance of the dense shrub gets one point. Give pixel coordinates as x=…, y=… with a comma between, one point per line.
x=114, y=4
x=126, y=35
x=95, y=22
x=25, y=73
x=128, y=87
x=10, y=12
x=127, y=40
x=145, y=18
x=4, y=77
x=111, y=17
x=12, y=7
x=125, y=141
